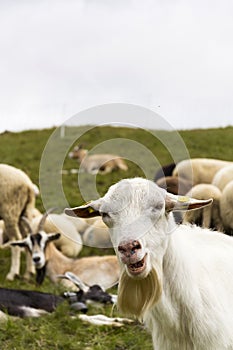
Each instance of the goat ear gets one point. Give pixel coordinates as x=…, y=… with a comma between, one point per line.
x=182, y=203
x=22, y=243
x=86, y=211
x=53, y=236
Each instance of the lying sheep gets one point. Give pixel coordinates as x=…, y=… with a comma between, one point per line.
x=223, y=177
x=70, y=241
x=17, y=198
x=226, y=207
x=102, y=163
x=208, y=217
x=199, y=170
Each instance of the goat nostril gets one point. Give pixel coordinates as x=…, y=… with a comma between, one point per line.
x=136, y=245
x=36, y=259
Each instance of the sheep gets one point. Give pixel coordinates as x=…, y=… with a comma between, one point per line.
x=199, y=170
x=223, y=177
x=174, y=184
x=17, y=198
x=48, y=260
x=70, y=241
x=102, y=163
x=208, y=217
x=178, y=279
x=226, y=207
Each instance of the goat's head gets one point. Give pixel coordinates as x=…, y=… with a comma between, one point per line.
x=138, y=214
x=36, y=244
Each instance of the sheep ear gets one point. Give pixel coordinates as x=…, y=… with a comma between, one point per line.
x=182, y=203
x=86, y=211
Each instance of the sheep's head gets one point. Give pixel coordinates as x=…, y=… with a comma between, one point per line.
x=138, y=214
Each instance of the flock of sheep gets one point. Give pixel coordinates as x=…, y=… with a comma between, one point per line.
x=202, y=179
x=154, y=281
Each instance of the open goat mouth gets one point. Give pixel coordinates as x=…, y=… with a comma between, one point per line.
x=138, y=267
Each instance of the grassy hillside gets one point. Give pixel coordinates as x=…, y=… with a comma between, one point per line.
x=43, y=159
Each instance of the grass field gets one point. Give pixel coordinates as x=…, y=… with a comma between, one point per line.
x=33, y=152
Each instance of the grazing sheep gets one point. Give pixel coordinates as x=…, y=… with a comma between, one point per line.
x=17, y=199
x=177, y=279
x=223, y=177
x=199, y=170
x=48, y=260
x=102, y=163
x=226, y=207
x=165, y=170
x=70, y=241
x=174, y=184
x=208, y=217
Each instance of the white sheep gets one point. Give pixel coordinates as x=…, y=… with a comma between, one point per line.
x=177, y=279
x=70, y=241
x=223, y=177
x=102, y=163
x=49, y=261
x=226, y=207
x=208, y=217
x=17, y=198
x=199, y=170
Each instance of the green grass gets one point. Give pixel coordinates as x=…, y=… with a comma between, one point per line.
x=62, y=330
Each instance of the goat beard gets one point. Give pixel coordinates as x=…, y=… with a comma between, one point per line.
x=136, y=296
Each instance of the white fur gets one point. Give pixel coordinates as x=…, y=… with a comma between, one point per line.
x=192, y=268
x=209, y=217
x=223, y=177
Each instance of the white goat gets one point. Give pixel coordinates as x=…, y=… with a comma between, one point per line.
x=102, y=163
x=17, y=198
x=48, y=260
x=199, y=170
x=177, y=279
x=209, y=216
x=223, y=177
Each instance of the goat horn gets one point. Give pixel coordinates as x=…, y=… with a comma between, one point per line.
x=25, y=220
x=43, y=219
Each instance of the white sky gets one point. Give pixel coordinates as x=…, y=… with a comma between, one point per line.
x=60, y=57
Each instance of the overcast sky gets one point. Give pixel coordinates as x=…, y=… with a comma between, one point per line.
x=60, y=57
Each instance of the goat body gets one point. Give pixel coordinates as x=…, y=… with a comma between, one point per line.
x=24, y=303
x=48, y=260
x=177, y=279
